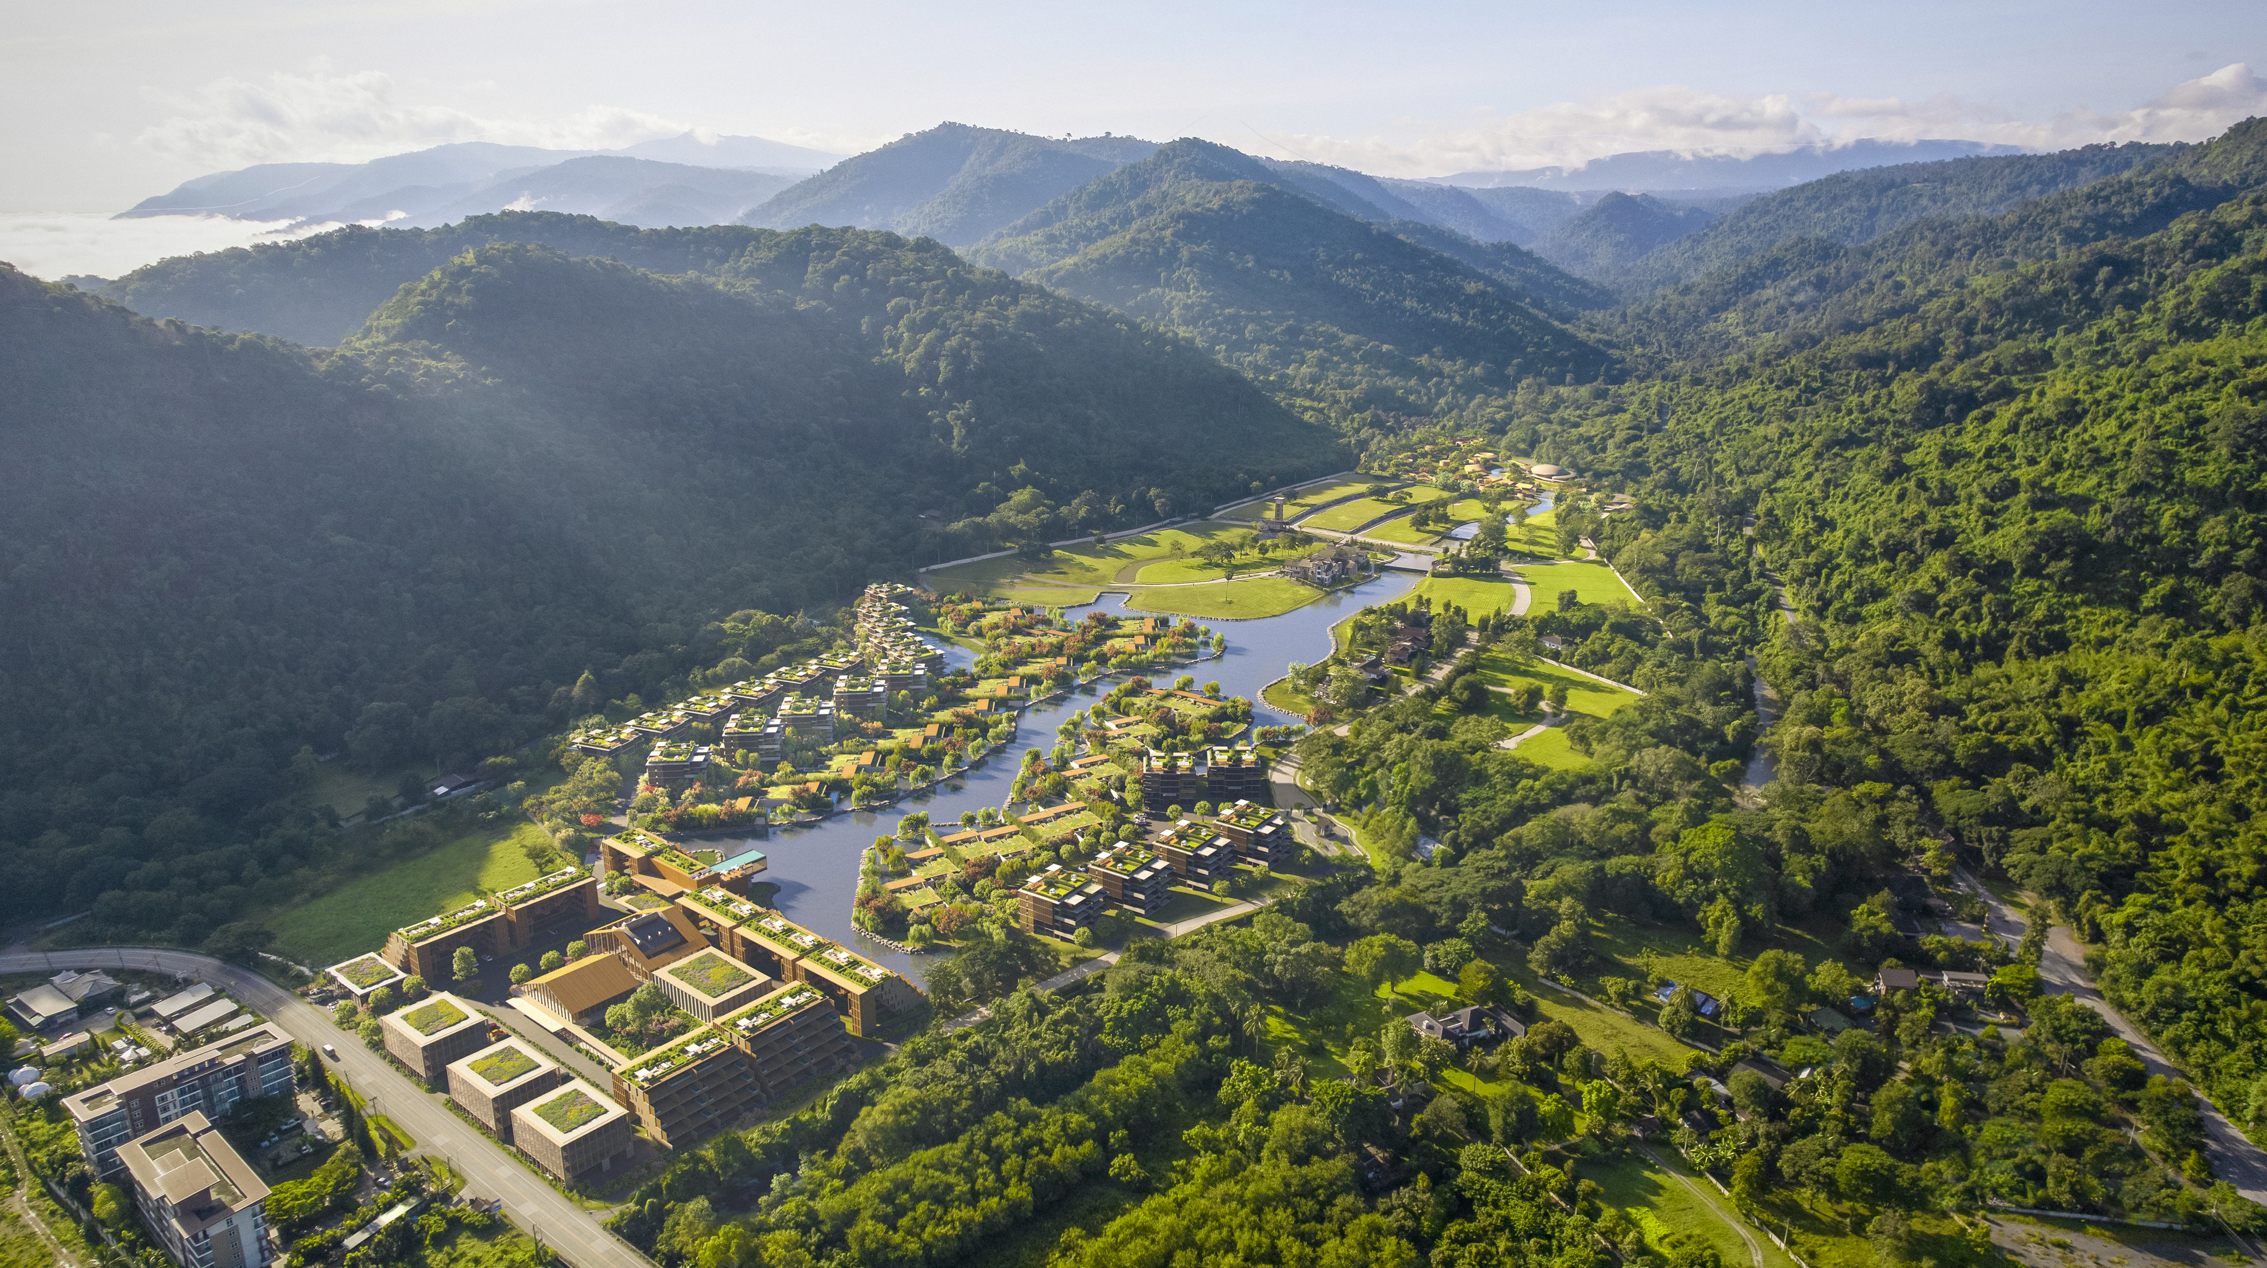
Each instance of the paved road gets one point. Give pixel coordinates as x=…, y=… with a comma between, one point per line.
x=2062, y=970
x=489, y=1171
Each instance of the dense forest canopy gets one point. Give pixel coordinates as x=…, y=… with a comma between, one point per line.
x=525, y=466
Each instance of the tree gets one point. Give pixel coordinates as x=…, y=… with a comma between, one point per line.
x=522, y=974
x=1774, y=982
x=382, y=1001
x=1481, y=983
x=413, y=987
x=551, y=962
x=372, y=1033
x=110, y=1206
x=465, y=964
x=1867, y=1175
x=577, y=949
x=1383, y=959
x=2013, y=985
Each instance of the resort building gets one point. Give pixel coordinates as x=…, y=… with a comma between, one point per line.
x=676, y=759
x=1235, y=772
x=807, y=717
x=208, y=1080
x=496, y=925
x=710, y=984
x=605, y=741
x=1134, y=878
x=720, y=916
x=857, y=696
x=429, y=1034
x=865, y=993
x=649, y=940
x=754, y=695
x=1259, y=834
x=573, y=1131
x=364, y=974
x=789, y=1036
x=199, y=1197
x=688, y=1087
x=582, y=991
x=1195, y=852
x=1058, y=902
x=751, y=732
x=903, y=675
x=1170, y=779
x=661, y=723
x=666, y=868
x=491, y=1083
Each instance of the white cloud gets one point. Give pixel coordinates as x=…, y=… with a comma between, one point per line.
x=320, y=115
x=1689, y=121
x=58, y=246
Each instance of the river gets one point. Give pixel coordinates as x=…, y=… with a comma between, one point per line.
x=816, y=867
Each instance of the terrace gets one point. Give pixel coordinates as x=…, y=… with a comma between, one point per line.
x=694, y=863
x=1247, y=816
x=756, y=1016
x=720, y=906
x=366, y=971
x=844, y=961
x=660, y=722
x=1058, y=884
x=663, y=1062
x=791, y=938
x=433, y=1018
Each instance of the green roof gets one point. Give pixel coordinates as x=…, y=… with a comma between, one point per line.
x=571, y=1109
x=764, y=1012
x=710, y=974
x=505, y=1065
x=366, y=971
x=433, y=1018
x=674, y=1056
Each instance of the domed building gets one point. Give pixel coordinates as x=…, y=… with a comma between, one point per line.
x=1551, y=471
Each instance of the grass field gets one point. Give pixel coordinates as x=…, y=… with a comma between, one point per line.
x=1660, y=1203
x=346, y=790
x=1242, y=598
x=1403, y=531
x=1583, y=695
x=358, y=915
x=1189, y=568
x=1591, y=582
x=1352, y=515
x=1600, y=1027
x=1302, y=501
x=1284, y=696
x=1082, y=566
x=1551, y=750
x=1474, y=594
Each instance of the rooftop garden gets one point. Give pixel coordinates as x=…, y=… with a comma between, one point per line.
x=1056, y=885
x=364, y=972
x=690, y=862
x=433, y=1018
x=478, y=909
x=540, y=886
x=609, y=738
x=722, y=906
x=1246, y=815
x=707, y=705
x=675, y=751
x=659, y=721
x=764, y=1012
x=571, y=1110
x=793, y=938
x=1126, y=858
x=663, y=1062
x=505, y=1065
x=804, y=707
x=843, y=960
x=639, y=841
x=710, y=974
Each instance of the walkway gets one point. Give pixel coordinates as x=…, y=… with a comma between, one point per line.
x=2062, y=971
x=489, y=1170
x=21, y=1201
x=1077, y=972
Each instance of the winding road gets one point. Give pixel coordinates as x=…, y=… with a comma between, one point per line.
x=489, y=1170
x=2062, y=970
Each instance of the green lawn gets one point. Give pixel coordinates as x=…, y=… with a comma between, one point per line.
x=1284, y=696
x=1660, y=1203
x=1583, y=695
x=1302, y=501
x=1591, y=583
x=570, y=1110
x=359, y=914
x=1242, y=598
x=1600, y=1027
x=1189, y=568
x=1087, y=566
x=1551, y=750
x=1474, y=594
x=1352, y=515
x=504, y=1066
x=1404, y=532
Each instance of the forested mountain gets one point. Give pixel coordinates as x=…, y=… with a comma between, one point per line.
x=1616, y=231
x=1343, y=319
x=1547, y=286
x=628, y=190
x=1858, y=206
x=320, y=289
x=525, y=466
x=953, y=182
x=1668, y=171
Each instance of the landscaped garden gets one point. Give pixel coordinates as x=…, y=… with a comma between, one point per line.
x=505, y=1065
x=710, y=974
x=570, y=1110
x=433, y=1018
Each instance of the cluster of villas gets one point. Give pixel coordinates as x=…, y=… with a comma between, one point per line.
x=1137, y=878
x=770, y=1005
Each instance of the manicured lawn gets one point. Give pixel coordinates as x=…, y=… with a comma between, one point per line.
x=1308, y=499
x=359, y=914
x=1551, y=750
x=1046, y=596
x=1284, y=696
x=1184, y=904
x=1351, y=515
x=1600, y=1027
x=1591, y=583
x=1190, y=568
x=1583, y=695
x=1660, y=1204
x=1083, y=567
x=1403, y=531
x=1474, y=594
x=1242, y=598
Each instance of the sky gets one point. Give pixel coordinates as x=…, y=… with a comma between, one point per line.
x=107, y=102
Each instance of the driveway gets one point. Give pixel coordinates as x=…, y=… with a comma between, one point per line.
x=489, y=1170
x=2062, y=970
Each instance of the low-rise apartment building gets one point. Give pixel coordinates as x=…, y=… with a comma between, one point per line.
x=1134, y=878
x=573, y=1131
x=865, y=993
x=1170, y=779
x=208, y=1080
x=788, y=1037
x=688, y=1087
x=807, y=717
x=1058, y=903
x=427, y=1035
x=858, y=696
x=1195, y=852
x=1259, y=834
x=491, y=1083
x=710, y=984
x=199, y=1197
x=1233, y=772
x=496, y=925
x=676, y=759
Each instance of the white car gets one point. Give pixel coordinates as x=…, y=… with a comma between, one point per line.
x=330, y=1052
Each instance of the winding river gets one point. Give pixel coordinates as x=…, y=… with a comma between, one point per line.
x=816, y=867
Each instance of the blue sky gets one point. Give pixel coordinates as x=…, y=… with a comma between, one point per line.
x=108, y=103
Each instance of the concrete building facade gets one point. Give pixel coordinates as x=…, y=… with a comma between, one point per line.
x=202, y=1200
x=208, y=1080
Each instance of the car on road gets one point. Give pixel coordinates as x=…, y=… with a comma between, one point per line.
x=330, y=1052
